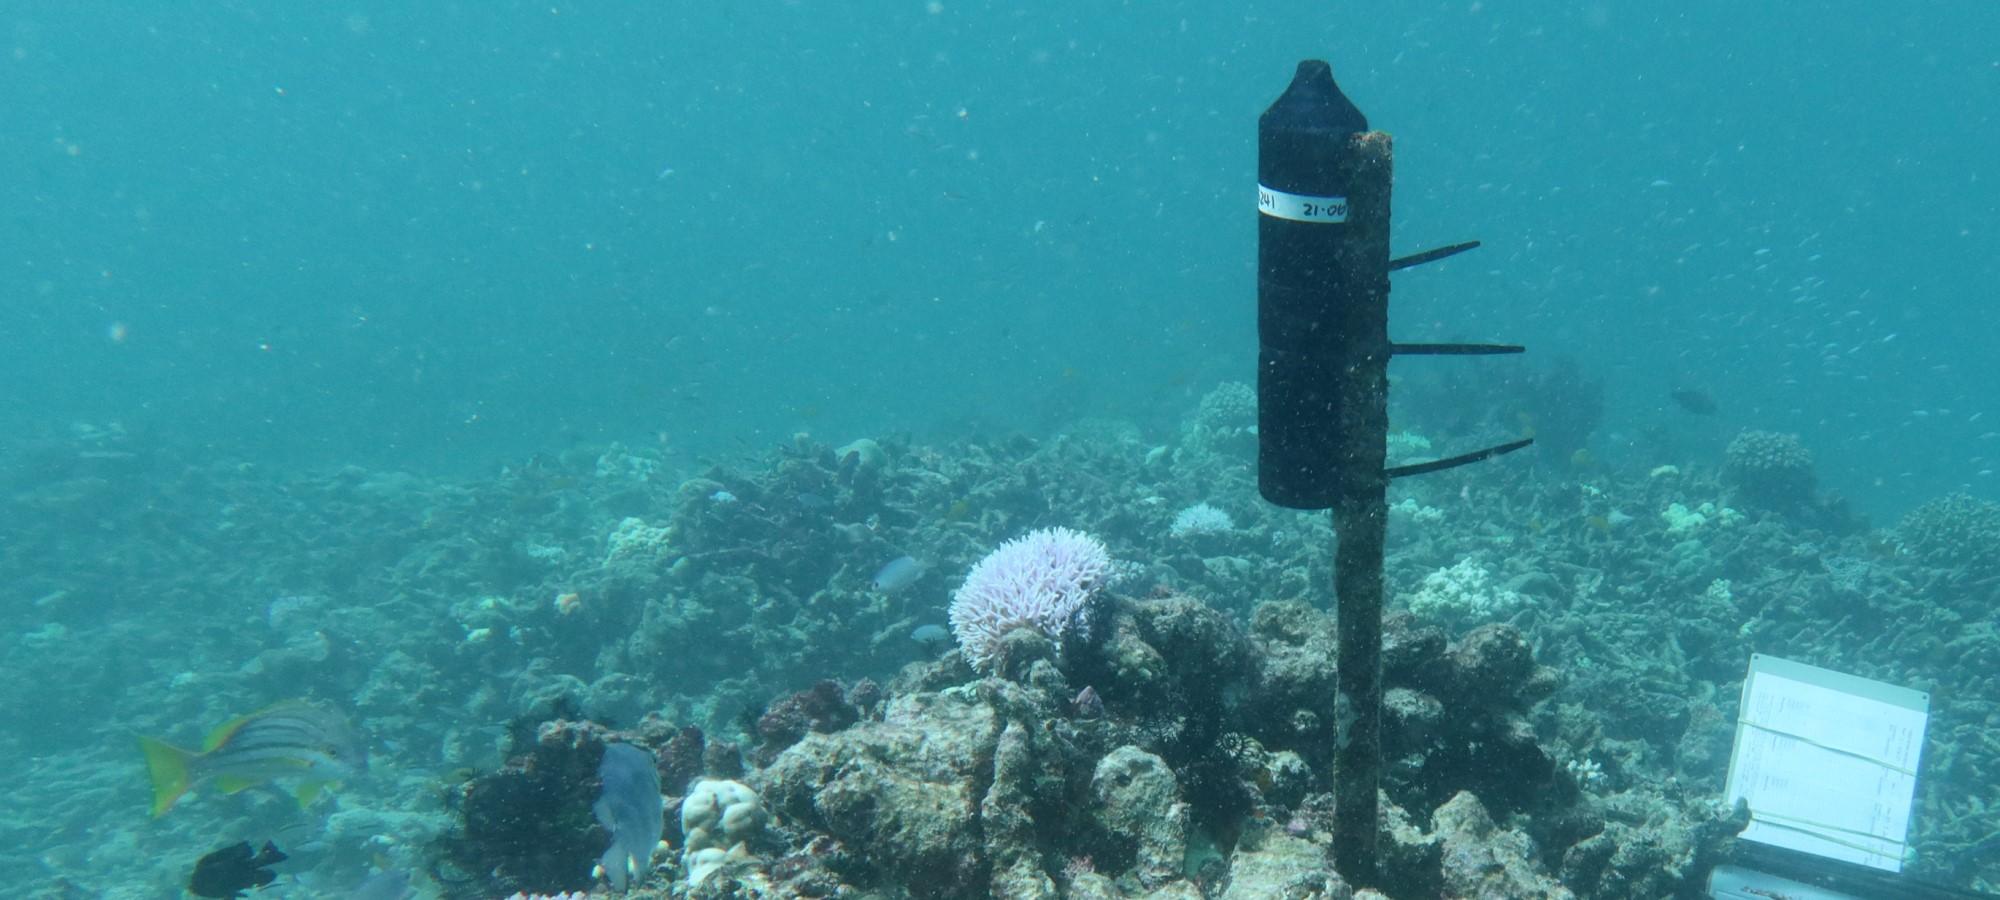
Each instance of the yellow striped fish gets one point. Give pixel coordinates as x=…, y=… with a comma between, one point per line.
x=292, y=740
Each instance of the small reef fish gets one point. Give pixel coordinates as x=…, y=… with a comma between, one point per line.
x=931, y=636
x=898, y=574
x=226, y=873
x=293, y=739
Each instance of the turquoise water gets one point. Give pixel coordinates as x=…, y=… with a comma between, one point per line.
x=452, y=238
x=441, y=235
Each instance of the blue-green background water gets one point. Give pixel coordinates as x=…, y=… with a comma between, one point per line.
x=434, y=235
x=265, y=241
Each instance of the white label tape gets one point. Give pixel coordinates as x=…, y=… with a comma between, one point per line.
x=1300, y=207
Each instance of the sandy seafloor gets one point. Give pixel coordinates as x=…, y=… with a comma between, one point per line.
x=154, y=590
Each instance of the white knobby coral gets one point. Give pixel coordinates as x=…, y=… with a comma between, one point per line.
x=718, y=819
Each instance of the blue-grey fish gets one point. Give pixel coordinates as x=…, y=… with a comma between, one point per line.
x=631, y=809
x=294, y=739
x=931, y=636
x=897, y=574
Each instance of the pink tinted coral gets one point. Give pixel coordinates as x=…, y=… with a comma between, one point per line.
x=1042, y=580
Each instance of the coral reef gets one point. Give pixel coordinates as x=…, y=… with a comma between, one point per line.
x=1774, y=472
x=1224, y=424
x=1202, y=726
x=823, y=708
x=1954, y=531
x=528, y=826
x=1771, y=469
x=727, y=620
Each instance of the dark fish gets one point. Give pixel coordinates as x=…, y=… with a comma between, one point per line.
x=1694, y=400
x=294, y=739
x=226, y=873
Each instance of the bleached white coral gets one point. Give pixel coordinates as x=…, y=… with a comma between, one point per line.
x=636, y=539
x=618, y=463
x=718, y=818
x=1680, y=519
x=1042, y=580
x=1416, y=512
x=1201, y=518
x=1463, y=591
x=1408, y=447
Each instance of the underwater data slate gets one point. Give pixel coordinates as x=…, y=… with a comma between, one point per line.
x=1827, y=761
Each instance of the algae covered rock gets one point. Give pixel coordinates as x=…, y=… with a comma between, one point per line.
x=1012, y=843
x=1136, y=802
x=1278, y=866
x=1291, y=698
x=899, y=792
x=1482, y=859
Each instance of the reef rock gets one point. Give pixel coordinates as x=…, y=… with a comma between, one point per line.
x=1484, y=860
x=1136, y=800
x=901, y=794
x=1279, y=866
